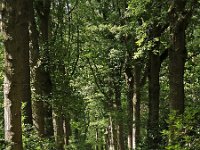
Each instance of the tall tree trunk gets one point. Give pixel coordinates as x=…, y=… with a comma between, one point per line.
x=177, y=58
x=43, y=10
x=16, y=69
x=176, y=72
x=154, y=94
x=36, y=73
x=133, y=97
x=155, y=60
x=177, y=55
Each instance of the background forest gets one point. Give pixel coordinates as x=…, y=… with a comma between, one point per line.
x=100, y=75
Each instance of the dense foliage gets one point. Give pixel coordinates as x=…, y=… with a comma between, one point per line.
x=110, y=74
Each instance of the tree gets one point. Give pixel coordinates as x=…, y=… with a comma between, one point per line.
x=179, y=19
x=100, y=74
x=43, y=74
x=17, y=73
x=36, y=74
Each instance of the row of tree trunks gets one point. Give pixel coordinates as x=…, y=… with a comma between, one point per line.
x=61, y=121
x=41, y=80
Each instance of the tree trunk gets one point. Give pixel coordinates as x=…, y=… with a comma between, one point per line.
x=154, y=94
x=58, y=129
x=130, y=91
x=38, y=113
x=136, y=106
x=133, y=97
x=16, y=69
x=43, y=10
x=110, y=135
x=26, y=95
x=177, y=58
x=177, y=55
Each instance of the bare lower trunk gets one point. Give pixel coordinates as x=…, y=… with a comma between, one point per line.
x=58, y=130
x=176, y=72
x=38, y=117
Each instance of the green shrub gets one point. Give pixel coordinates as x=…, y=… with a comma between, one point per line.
x=31, y=140
x=184, y=130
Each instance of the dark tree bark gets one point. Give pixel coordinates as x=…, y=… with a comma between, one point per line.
x=17, y=77
x=43, y=11
x=154, y=98
x=38, y=113
x=155, y=60
x=179, y=18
